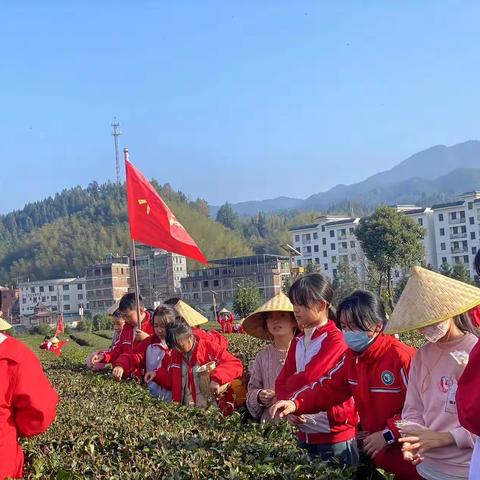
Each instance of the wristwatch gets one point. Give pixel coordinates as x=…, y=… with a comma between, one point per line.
x=388, y=436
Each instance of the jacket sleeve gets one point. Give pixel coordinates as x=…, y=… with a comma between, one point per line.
x=112, y=355
x=403, y=371
x=131, y=361
x=228, y=367
x=331, y=389
x=255, y=385
x=413, y=407
x=162, y=375
x=330, y=353
x=34, y=399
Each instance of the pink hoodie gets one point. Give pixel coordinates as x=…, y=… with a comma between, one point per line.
x=430, y=402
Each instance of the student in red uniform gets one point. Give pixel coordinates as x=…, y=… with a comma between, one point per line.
x=375, y=371
x=131, y=333
x=180, y=372
x=148, y=355
x=328, y=432
x=27, y=402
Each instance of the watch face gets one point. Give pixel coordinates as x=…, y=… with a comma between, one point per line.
x=388, y=436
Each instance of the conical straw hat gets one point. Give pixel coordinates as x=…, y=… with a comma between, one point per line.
x=4, y=325
x=430, y=298
x=192, y=317
x=254, y=324
x=224, y=310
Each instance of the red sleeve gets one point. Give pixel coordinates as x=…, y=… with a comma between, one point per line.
x=228, y=367
x=118, y=349
x=162, y=374
x=330, y=390
x=468, y=393
x=133, y=360
x=289, y=381
x=34, y=399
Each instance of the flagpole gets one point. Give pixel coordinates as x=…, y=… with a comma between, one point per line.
x=133, y=256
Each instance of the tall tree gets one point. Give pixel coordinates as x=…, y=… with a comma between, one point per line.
x=227, y=217
x=345, y=282
x=246, y=299
x=458, y=272
x=390, y=239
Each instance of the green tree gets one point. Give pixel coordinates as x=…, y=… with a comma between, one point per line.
x=246, y=299
x=345, y=282
x=390, y=239
x=458, y=272
x=227, y=217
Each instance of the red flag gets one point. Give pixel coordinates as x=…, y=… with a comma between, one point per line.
x=60, y=328
x=152, y=222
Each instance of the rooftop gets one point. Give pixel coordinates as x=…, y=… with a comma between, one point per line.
x=439, y=206
x=344, y=221
x=303, y=227
x=54, y=281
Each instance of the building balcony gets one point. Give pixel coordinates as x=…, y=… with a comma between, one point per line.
x=343, y=250
x=458, y=235
x=342, y=237
x=456, y=221
x=459, y=250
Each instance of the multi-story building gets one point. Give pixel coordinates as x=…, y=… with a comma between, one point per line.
x=452, y=235
x=457, y=231
x=106, y=282
x=268, y=272
x=63, y=296
x=9, y=302
x=328, y=243
x=159, y=274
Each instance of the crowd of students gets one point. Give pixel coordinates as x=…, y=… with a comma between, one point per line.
x=357, y=395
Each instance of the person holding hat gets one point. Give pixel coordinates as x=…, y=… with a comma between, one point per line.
x=225, y=319
x=273, y=321
x=468, y=398
x=433, y=439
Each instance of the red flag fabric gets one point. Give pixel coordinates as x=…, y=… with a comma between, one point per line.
x=152, y=222
x=60, y=327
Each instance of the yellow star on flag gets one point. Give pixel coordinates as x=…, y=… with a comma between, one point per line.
x=143, y=202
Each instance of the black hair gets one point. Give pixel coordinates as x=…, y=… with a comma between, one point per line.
x=310, y=290
x=46, y=337
x=166, y=313
x=128, y=302
x=172, y=301
x=476, y=262
x=177, y=330
x=464, y=323
x=362, y=310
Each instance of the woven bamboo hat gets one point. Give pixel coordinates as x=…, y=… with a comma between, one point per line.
x=430, y=298
x=254, y=324
x=192, y=317
x=4, y=325
x=224, y=310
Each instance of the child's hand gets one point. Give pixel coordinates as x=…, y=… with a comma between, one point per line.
x=214, y=388
x=139, y=336
x=297, y=420
x=117, y=373
x=267, y=397
x=149, y=377
x=282, y=408
x=97, y=358
x=374, y=443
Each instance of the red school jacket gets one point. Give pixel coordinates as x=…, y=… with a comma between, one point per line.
x=142, y=355
x=377, y=378
x=127, y=341
x=27, y=402
x=468, y=393
x=304, y=365
x=228, y=368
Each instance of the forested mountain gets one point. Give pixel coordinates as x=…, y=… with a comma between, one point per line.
x=61, y=235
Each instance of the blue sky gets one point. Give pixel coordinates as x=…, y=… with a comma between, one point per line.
x=231, y=100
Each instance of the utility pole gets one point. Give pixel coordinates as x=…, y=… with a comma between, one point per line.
x=116, y=133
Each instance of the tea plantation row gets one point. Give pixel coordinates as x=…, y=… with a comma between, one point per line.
x=110, y=430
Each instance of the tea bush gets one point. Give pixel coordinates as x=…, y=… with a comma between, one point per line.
x=110, y=430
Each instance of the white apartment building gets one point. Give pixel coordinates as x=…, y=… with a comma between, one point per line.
x=452, y=235
x=457, y=231
x=328, y=243
x=62, y=295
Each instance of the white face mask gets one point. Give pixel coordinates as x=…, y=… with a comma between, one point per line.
x=433, y=333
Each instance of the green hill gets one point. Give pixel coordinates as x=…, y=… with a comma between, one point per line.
x=61, y=235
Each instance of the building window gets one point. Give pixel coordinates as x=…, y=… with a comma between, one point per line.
x=474, y=250
x=325, y=266
x=440, y=217
x=324, y=253
x=332, y=233
x=454, y=215
x=470, y=205
x=334, y=273
x=472, y=235
x=315, y=235
x=66, y=287
x=444, y=259
x=332, y=246
x=205, y=283
x=464, y=229
x=53, y=298
x=66, y=307
x=216, y=283
x=465, y=259
x=50, y=288
x=442, y=246
x=308, y=237
x=297, y=238
x=420, y=222
x=352, y=244
x=324, y=241
x=315, y=248
x=24, y=300
x=472, y=220
x=80, y=296
x=40, y=289
x=299, y=263
x=308, y=249
x=79, y=286
x=32, y=289
x=442, y=232
x=334, y=259
x=54, y=309
x=317, y=261
x=44, y=299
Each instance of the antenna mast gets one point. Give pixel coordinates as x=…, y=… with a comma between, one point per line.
x=116, y=133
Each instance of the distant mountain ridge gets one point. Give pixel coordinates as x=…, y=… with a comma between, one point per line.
x=438, y=172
